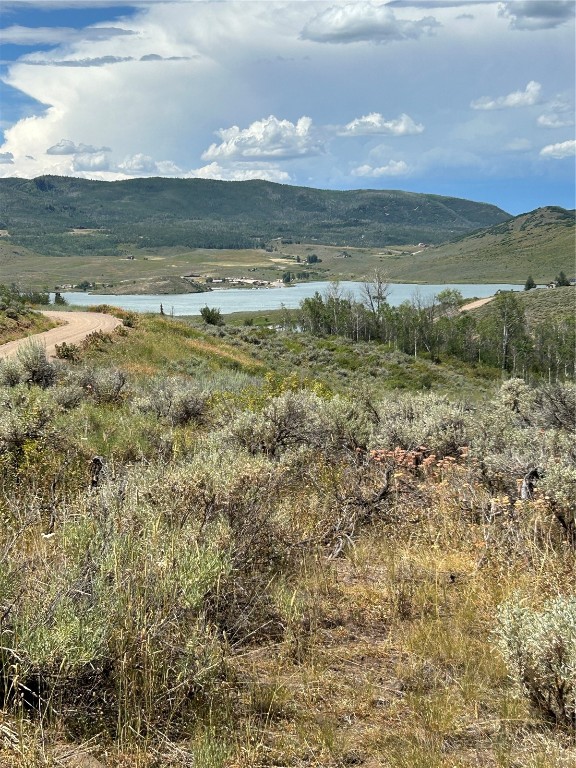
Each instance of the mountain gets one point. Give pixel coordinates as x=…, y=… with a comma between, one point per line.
x=540, y=243
x=42, y=213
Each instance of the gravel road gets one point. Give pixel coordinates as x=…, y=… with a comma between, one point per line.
x=74, y=326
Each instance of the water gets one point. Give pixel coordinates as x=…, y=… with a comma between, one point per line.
x=252, y=300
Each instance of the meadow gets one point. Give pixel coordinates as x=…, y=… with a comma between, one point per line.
x=231, y=546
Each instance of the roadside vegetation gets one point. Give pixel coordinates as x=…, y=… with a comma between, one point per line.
x=17, y=318
x=243, y=546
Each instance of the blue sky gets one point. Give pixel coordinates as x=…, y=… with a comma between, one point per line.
x=470, y=98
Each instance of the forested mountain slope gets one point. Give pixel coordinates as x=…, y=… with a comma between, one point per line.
x=43, y=213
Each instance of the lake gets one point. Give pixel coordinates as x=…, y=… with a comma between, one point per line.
x=254, y=299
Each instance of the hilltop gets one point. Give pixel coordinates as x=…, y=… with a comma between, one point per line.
x=55, y=215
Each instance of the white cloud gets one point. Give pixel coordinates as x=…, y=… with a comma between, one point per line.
x=393, y=168
x=525, y=98
x=91, y=162
x=138, y=164
x=67, y=147
x=269, y=138
x=144, y=165
x=537, y=14
x=559, y=151
x=554, y=120
x=6, y=158
x=374, y=123
x=240, y=172
x=364, y=22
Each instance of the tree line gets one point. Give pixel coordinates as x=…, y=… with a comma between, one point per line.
x=436, y=327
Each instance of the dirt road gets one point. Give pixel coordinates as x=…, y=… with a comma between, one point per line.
x=476, y=304
x=75, y=326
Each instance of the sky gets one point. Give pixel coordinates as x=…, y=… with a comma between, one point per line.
x=466, y=98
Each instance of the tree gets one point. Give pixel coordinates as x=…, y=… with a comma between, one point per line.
x=529, y=284
x=562, y=280
x=375, y=291
x=504, y=331
x=211, y=316
x=450, y=301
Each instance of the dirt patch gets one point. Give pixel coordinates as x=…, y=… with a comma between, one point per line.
x=73, y=328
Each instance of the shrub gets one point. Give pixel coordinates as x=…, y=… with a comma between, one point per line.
x=211, y=316
x=11, y=372
x=103, y=385
x=409, y=421
x=26, y=416
x=291, y=419
x=175, y=400
x=557, y=406
x=66, y=351
x=36, y=367
x=539, y=648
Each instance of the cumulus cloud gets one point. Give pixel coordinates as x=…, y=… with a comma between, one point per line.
x=393, y=168
x=91, y=162
x=6, y=158
x=144, y=165
x=559, y=151
x=364, y=22
x=269, y=138
x=17, y=35
x=67, y=147
x=240, y=172
x=525, y=98
x=374, y=123
x=537, y=14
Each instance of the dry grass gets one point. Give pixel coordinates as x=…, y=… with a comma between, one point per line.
x=308, y=603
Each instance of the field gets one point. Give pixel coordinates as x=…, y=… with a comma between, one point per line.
x=231, y=546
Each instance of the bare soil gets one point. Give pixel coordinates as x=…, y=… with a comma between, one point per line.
x=75, y=326
x=476, y=304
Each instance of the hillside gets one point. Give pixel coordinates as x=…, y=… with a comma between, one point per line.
x=541, y=305
x=540, y=243
x=212, y=558
x=58, y=216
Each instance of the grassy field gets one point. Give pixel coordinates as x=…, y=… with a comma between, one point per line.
x=277, y=564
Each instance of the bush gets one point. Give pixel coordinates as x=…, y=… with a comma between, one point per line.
x=11, y=372
x=557, y=406
x=103, y=385
x=292, y=419
x=36, y=367
x=174, y=400
x=66, y=351
x=539, y=648
x=211, y=316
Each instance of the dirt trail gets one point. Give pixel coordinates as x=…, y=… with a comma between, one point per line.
x=75, y=326
x=476, y=304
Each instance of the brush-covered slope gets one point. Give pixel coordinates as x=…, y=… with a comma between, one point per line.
x=540, y=243
x=60, y=215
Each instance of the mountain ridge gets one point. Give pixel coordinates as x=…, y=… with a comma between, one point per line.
x=226, y=214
